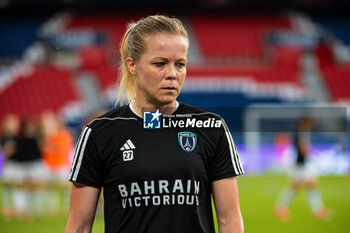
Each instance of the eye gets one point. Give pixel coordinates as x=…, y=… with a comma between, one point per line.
x=159, y=64
x=180, y=65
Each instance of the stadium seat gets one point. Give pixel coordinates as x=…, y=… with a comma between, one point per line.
x=336, y=76
x=45, y=88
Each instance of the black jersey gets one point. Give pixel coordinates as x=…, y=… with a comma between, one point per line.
x=26, y=148
x=300, y=140
x=155, y=180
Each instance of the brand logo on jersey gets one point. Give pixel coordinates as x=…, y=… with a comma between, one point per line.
x=151, y=120
x=127, y=148
x=187, y=141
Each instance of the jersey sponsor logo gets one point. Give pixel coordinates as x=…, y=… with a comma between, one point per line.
x=159, y=192
x=187, y=141
x=151, y=119
x=127, y=148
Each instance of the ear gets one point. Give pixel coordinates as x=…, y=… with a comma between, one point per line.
x=131, y=65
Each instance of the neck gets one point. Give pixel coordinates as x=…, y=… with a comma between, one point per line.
x=165, y=109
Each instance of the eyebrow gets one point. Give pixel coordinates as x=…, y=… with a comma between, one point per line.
x=162, y=58
x=166, y=59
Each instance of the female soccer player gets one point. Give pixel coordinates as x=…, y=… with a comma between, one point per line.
x=302, y=176
x=159, y=179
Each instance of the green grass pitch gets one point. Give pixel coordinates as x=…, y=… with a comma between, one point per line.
x=257, y=197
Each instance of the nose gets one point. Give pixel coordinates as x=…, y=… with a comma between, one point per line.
x=171, y=72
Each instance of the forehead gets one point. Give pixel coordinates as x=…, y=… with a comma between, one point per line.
x=166, y=44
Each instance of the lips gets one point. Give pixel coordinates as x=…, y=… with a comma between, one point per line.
x=170, y=88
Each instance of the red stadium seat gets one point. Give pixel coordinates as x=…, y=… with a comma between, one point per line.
x=336, y=76
x=238, y=35
x=45, y=88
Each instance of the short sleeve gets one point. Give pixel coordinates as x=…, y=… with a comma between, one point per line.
x=225, y=162
x=86, y=166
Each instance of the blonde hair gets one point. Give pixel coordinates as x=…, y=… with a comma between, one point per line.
x=133, y=45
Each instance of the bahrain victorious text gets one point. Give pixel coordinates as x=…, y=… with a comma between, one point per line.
x=159, y=192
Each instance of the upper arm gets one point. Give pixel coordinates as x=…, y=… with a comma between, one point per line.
x=226, y=200
x=82, y=208
x=225, y=161
x=88, y=166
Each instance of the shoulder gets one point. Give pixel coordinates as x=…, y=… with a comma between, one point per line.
x=118, y=116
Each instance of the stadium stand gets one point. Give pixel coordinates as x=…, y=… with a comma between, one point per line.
x=95, y=59
x=337, y=76
x=333, y=55
x=284, y=67
x=101, y=59
x=238, y=35
x=337, y=26
x=239, y=65
x=237, y=53
x=44, y=88
x=18, y=33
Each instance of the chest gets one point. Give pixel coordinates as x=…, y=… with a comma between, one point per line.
x=156, y=155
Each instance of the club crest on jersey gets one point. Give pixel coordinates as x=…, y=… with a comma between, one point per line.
x=187, y=141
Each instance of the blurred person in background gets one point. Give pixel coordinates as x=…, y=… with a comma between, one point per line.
x=9, y=132
x=57, y=146
x=141, y=170
x=25, y=171
x=301, y=175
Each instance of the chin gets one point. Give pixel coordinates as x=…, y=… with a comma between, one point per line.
x=166, y=100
